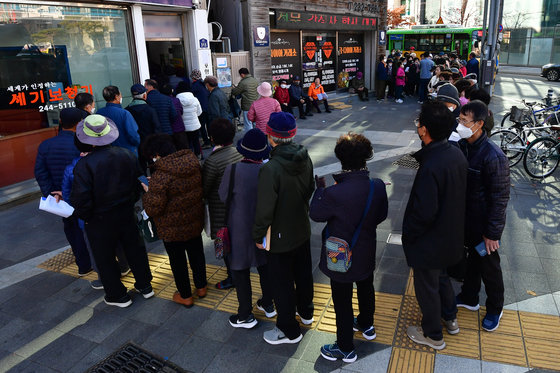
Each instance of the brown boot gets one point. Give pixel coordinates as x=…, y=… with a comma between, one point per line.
x=202, y=292
x=187, y=302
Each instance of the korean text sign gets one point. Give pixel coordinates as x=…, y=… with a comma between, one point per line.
x=286, y=19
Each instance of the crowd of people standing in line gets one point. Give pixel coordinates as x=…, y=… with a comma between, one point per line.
x=264, y=187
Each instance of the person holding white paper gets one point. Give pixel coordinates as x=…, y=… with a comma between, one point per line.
x=317, y=93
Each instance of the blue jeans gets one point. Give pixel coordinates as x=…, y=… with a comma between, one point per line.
x=247, y=124
x=423, y=89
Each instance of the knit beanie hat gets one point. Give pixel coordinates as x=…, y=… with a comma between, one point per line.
x=196, y=74
x=281, y=125
x=254, y=145
x=448, y=93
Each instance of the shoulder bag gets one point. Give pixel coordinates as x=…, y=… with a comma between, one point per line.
x=339, y=253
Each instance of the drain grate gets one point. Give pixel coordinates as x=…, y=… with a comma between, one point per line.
x=131, y=358
x=407, y=161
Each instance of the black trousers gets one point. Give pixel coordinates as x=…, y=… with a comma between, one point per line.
x=177, y=252
x=316, y=105
x=193, y=141
x=299, y=104
x=286, y=270
x=381, y=88
x=105, y=232
x=203, y=119
x=435, y=296
x=242, y=282
x=363, y=94
x=286, y=108
x=75, y=237
x=342, y=293
x=486, y=268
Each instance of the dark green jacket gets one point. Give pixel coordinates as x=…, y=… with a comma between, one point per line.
x=285, y=186
x=247, y=88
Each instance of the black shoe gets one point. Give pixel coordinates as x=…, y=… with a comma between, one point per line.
x=123, y=302
x=328, y=111
x=318, y=111
x=225, y=284
x=269, y=310
x=310, y=114
x=147, y=292
x=248, y=323
x=304, y=118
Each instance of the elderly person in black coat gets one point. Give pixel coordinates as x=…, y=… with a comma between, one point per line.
x=242, y=207
x=433, y=224
x=344, y=207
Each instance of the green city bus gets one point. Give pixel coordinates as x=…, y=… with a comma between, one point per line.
x=436, y=39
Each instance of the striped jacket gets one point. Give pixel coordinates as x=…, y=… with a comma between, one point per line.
x=212, y=172
x=260, y=111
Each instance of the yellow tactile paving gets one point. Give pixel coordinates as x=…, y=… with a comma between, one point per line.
x=502, y=348
x=524, y=338
x=410, y=361
x=465, y=344
x=540, y=326
x=543, y=353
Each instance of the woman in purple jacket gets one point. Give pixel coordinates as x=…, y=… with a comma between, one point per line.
x=343, y=216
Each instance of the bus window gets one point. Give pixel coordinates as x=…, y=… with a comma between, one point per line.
x=425, y=42
x=410, y=41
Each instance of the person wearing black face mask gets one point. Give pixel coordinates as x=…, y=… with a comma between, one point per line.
x=433, y=224
x=298, y=98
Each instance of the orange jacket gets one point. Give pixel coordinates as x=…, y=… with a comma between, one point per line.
x=314, y=91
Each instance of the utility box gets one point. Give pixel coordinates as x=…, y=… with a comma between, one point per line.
x=487, y=73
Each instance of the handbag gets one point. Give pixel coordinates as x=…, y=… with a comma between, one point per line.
x=338, y=252
x=222, y=243
x=207, y=225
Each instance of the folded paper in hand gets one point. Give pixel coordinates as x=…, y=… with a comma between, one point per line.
x=60, y=208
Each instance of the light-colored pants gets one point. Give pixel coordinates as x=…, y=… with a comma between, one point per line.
x=247, y=124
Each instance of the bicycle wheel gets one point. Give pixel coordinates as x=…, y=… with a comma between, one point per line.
x=511, y=144
x=541, y=157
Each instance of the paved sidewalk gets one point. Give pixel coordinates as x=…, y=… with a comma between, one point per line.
x=52, y=321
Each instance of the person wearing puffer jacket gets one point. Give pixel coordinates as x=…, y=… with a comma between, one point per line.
x=191, y=111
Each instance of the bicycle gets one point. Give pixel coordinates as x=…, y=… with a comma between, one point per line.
x=542, y=156
x=529, y=116
x=514, y=142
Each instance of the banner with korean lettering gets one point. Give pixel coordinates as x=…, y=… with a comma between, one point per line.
x=285, y=55
x=319, y=60
x=287, y=19
x=350, y=57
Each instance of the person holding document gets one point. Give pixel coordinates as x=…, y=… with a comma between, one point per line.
x=285, y=186
x=239, y=189
x=317, y=93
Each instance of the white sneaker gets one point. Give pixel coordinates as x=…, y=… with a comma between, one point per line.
x=305, y=321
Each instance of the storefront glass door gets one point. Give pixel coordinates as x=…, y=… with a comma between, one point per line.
x=319, y=59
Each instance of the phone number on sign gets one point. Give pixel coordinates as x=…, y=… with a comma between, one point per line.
x=59, y=106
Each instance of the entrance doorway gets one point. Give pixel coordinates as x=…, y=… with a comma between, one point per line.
x=166, y=59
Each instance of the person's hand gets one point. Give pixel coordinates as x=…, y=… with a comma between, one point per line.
x=260, y=246
x=145, y=187
x=320, y=182
x=302, y=100
x=491, y=245
x=57, y=194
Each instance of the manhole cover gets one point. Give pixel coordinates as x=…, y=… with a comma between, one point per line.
x=407, y=161
x=131, y=358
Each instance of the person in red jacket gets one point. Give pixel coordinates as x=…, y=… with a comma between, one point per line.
x=283, y=96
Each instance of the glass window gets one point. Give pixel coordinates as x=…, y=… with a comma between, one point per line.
x=410, y=41
x=48, y=54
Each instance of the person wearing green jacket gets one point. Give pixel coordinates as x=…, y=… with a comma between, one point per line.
x=247, y=88
x=285, y=186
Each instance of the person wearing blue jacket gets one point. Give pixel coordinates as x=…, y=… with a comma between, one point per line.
x=473, y=65
x=127, y=126
x=163, y=105
x=382, y=77
x=199, y=91
x=53, y=156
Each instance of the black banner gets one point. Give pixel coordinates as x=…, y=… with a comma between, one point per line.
x=285, y=55
x=350, y=57
x=287, y=19
x=319, y=60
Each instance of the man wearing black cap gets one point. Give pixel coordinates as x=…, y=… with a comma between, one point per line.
x=298, y=98
x=104, y=192
x=52, y=158
x=145, y=116
x=449, y=95
x=285, y=186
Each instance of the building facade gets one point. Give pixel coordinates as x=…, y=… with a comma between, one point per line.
x=51, y=51
x=329, y=39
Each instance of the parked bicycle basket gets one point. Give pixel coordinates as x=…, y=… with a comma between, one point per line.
x=553, y=119
x=519, y=115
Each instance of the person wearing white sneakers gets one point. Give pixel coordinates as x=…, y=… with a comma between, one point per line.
x=399, y=83
x=352, y=208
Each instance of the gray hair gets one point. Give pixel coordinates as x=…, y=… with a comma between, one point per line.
x=281, y=141
x=140, y=96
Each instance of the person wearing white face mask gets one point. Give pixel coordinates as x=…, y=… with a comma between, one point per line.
x=488, y=187
x=127, y=126
x=282, y=95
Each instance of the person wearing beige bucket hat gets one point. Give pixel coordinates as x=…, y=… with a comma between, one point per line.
x=104, y=192
x=260, y=110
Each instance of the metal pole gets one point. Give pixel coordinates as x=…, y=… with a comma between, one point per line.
x=484, y=24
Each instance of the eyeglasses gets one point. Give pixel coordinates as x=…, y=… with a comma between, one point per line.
x=464, y=122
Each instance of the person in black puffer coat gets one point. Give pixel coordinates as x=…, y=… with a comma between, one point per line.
x=343, y=216
x=488, y=187
x=163, y=106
